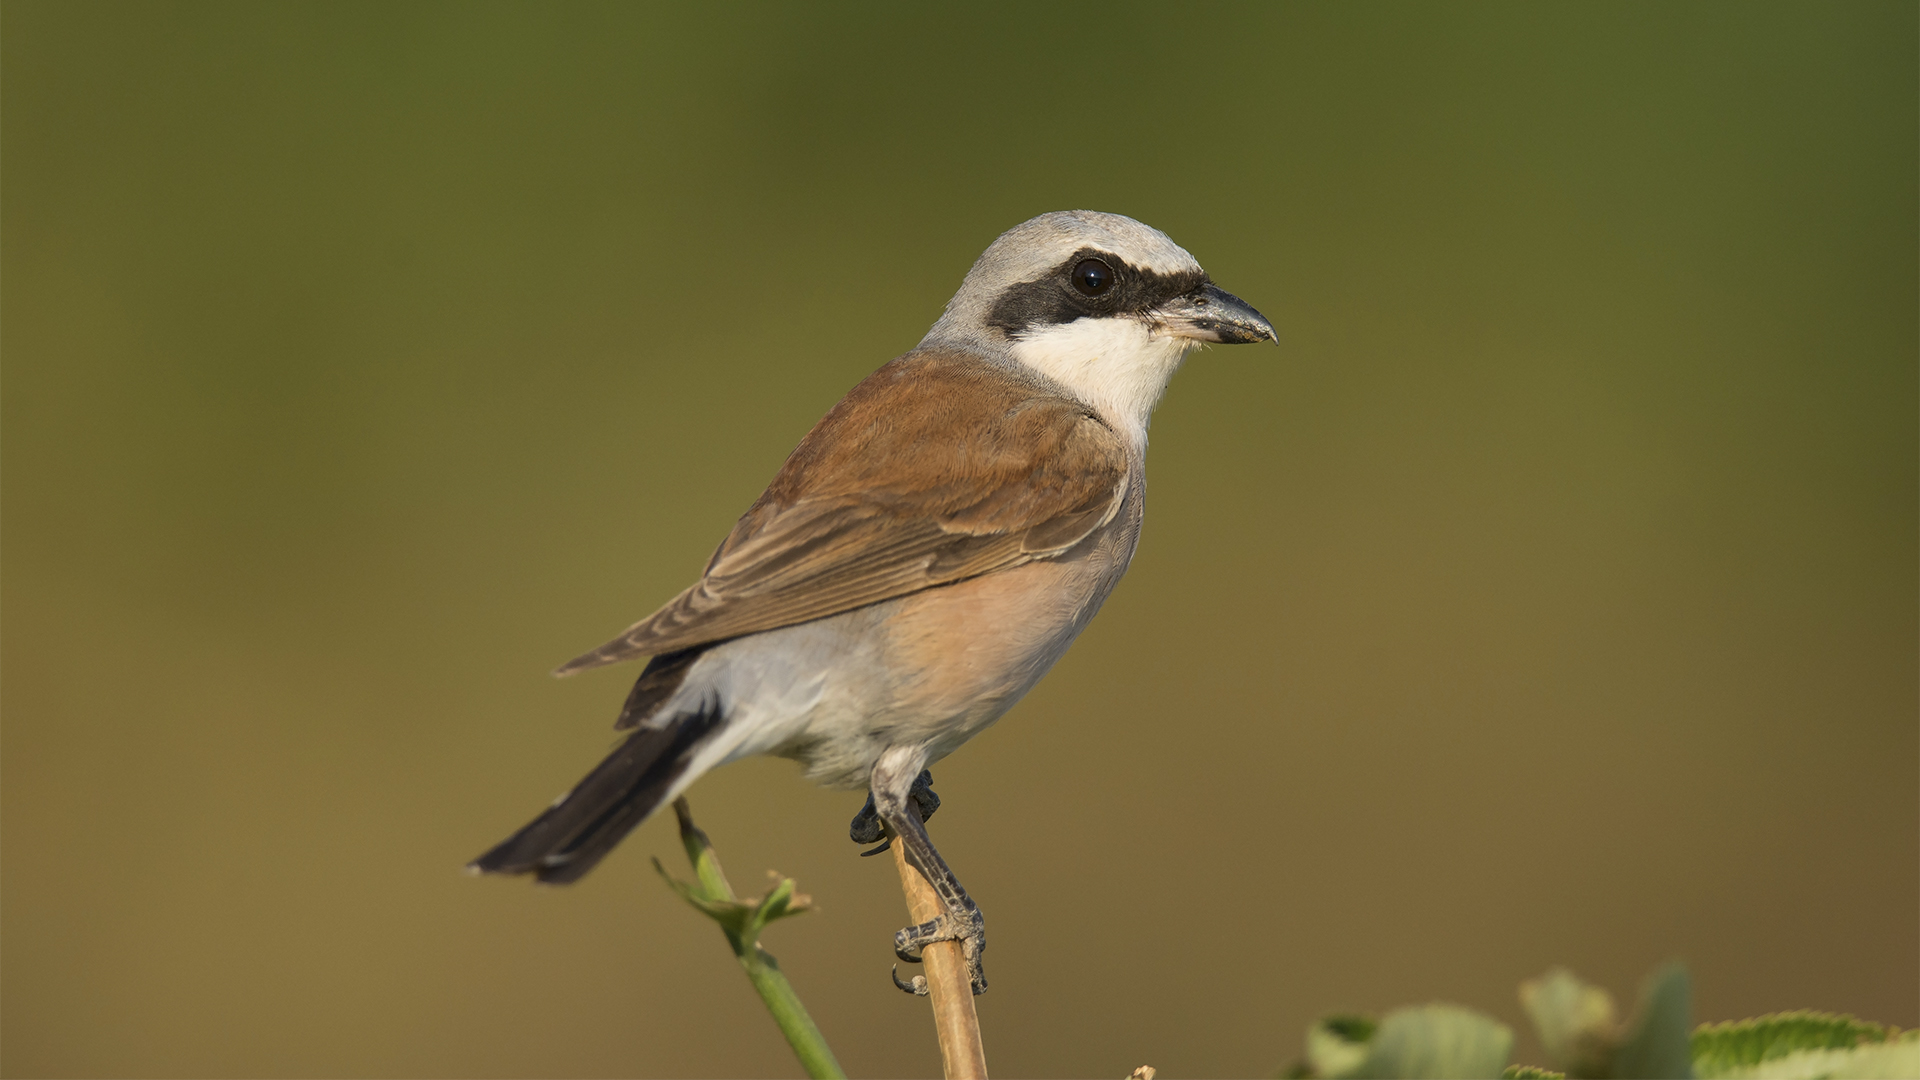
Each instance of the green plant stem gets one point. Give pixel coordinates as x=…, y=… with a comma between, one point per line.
x=742, y=921
x=808, y=1044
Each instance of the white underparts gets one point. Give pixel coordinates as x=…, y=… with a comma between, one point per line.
x=1118, y=365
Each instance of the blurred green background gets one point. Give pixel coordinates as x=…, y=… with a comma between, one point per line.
x=1548, y=597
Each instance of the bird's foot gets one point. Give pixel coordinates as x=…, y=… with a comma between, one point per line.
x=967, y=926
x=917, y=986
x=867, y=826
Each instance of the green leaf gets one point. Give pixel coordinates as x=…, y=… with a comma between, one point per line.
x=781, y=902
x=1750, y=1042
x=744, y=919
x=1530, y=1072
x=1803, y=1044
x=1656, y=1045
x=1352, y=1028
x=1436, y=1042
x=1337, y=1045
x=1575, y=1022
x=732, y=915
x=1896, y=1059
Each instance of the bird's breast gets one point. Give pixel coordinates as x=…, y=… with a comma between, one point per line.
x=962, y=654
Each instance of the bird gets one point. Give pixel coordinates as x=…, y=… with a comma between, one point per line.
x=922, y=558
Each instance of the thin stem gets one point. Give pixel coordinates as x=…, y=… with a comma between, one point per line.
x=949, y=988
x=808, y=1044
x=742, y=921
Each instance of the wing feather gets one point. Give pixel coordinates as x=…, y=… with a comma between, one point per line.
x=937, y=468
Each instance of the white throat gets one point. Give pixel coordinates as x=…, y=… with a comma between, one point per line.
x=1117, y=365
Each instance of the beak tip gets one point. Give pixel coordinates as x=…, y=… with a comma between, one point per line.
x=1218, y=317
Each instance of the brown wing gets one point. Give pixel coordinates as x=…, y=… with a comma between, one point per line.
x=936, y=468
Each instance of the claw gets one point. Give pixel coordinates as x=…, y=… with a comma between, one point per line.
x=968, y=928
x=918, y=987
x=910, y=942
x=922, y=794
x=867, y=826
x=960, y=920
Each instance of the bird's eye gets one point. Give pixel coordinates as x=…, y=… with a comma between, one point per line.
x=1092, y=277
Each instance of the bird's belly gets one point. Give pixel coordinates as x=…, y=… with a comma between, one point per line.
x=931, y=669
x=962, y=655
x=941, y=665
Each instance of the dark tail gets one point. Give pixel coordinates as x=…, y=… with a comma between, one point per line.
x=575, y=833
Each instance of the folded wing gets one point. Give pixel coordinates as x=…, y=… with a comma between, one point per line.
x=936, y=468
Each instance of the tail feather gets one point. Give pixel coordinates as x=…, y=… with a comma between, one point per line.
x=576, y=832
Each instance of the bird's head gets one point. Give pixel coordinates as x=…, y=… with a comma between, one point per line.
x=1099, y=303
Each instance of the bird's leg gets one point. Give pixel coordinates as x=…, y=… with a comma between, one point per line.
x=960, y=920
x=867, y=826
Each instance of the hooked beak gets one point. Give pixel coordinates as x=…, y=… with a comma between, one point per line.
x=1216, y=315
